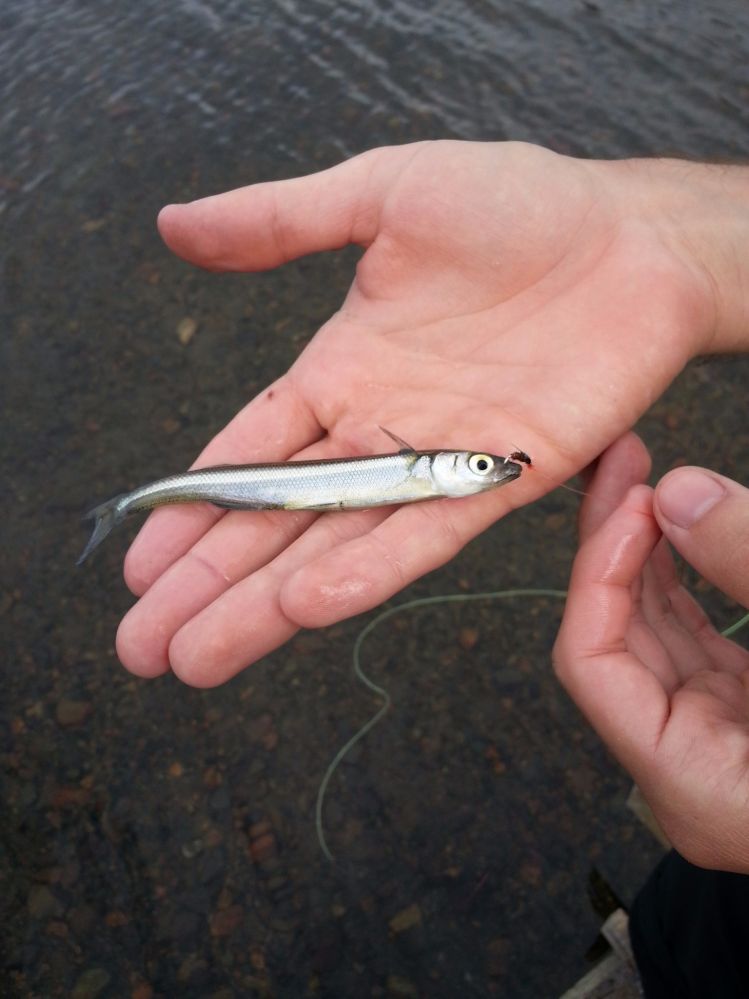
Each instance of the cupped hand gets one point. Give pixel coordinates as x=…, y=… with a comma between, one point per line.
x=666, y=692
x=507, y=297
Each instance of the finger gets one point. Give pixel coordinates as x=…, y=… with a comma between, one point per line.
x=622, y=465
x=705, y=516
x=276, y=425
x=264, y=225
x=235, y=546
x=623, y=699
x=670, y=618
x=360, y=575
x=247, y=621
x=683, y=627
x=238, y=544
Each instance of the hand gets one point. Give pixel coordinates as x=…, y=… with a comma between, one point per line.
x=663, y=689
x=508, y=297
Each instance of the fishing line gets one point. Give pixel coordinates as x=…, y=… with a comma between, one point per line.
x=448, y=598
x=382, y=693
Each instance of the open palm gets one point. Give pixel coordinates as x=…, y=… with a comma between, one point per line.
x=666, y=692
x=505, y=299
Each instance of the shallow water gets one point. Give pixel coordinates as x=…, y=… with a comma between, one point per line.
x=160, y=840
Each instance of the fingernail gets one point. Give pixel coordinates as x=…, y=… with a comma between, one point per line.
x=687, y=494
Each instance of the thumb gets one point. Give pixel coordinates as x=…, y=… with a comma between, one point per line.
x=264, y=225
x=705, y=516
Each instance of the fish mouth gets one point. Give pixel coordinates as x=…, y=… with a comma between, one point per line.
x=506, y=471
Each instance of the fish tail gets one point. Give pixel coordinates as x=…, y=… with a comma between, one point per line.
x=105, y=516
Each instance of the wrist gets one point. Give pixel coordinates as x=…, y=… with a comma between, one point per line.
x=701, y=213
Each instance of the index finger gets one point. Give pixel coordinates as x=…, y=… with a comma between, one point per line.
x=622, y=698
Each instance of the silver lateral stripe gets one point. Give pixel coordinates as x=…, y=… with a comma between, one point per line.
x=347, y=483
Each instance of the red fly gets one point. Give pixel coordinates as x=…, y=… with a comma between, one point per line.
x=526, y=460
x=520, y=456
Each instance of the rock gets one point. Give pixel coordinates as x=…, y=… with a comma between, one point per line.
x=260, y=828
x=68, y=797
x=224, y=922
x=192, y=848
x=263, y=849
x=91, y=983
x=406, y=919
x=186, y=330
x=467, y=638
x=70, y=713
x=398, y=986
x=170, y=425
x=262, y=730
x=43, y=904
x=257, y=959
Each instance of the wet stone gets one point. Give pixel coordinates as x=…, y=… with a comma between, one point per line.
x=212, y=777
x=262, y=730
x=193, y=969
x=186, y=330
x=69, y=797
x=263, y=849
x=43, y=903
x=406, y=919
x=224, y=923
x=192, y=848
x=91, y=983
x=70, y=713
x=468, y=638
x=401, y=987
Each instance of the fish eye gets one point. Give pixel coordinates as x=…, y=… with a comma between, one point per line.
x=480, y=464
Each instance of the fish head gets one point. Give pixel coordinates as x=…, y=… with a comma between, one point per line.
x=463, y=473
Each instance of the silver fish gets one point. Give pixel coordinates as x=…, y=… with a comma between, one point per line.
x=328, y=484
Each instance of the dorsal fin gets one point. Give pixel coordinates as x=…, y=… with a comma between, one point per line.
x=405, y=447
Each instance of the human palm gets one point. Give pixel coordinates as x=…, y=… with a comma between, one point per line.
x=666, y=692
x=498, y=304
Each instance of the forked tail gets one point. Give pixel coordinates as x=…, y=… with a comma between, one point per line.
x=105, y=516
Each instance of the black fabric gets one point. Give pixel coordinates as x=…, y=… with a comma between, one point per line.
x=690, y=932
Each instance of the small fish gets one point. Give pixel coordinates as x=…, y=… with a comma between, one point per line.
x=328, y=484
